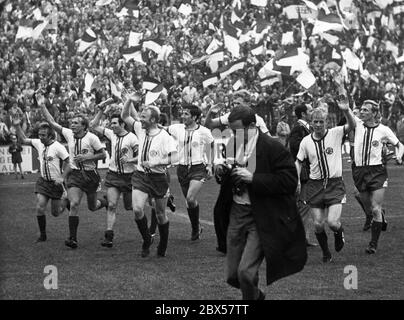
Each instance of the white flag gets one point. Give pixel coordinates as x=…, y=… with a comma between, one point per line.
x=88, y=82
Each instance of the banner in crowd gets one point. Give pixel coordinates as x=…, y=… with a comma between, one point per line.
x=6, y=165
x=30, y=162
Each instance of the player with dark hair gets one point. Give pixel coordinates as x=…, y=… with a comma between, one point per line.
x=257, y=197
x=124, y=147
x=85, y=150
x=194, y=160
x=49, y=185
x=298, y=132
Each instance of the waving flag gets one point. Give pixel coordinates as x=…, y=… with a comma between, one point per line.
x=154, y=94
x=232, y=67
x=134, y=53
x=155, y=45
x=210, y=80
x=87, y=40
x=150, y=83
x=327, y=22
x=259, y=3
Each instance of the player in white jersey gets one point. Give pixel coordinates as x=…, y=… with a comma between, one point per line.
x=369, y=172
x=124, y=147
x=85, y=149
x=50, y=184
x=194, y=160
x=156, y=149
x=325, y=190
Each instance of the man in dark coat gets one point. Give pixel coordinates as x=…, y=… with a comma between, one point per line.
x=257, y=196
x=299, y=131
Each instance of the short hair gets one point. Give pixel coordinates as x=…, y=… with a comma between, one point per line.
x=243, y=113
x=301, y=108
x=84, y=120
x=154, y=113
x=374, y=105
x=118, y=116
x=194, y=110
x=46, y=126
x=322, y=112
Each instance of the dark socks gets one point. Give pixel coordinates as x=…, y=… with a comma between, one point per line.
x=376, y=230
x=73, y=225
x=144, y=231
x=193, y=214
x=153, y=221
x=323, y=242
x=42, y=224
x=162, y=247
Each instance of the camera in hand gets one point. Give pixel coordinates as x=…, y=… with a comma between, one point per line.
x=239, y=187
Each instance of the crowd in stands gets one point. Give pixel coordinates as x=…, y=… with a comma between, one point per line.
x=53, y=63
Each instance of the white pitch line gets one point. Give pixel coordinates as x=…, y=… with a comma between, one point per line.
x=185, y=216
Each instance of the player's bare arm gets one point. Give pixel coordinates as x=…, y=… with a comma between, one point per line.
x=41, y=103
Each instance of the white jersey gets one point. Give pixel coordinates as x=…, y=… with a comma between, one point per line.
x=324, y=155
x=88, y=144
x=191, y=143
x=369, y=141
x=121, y=146
x=153, y=148
x=224, y=119
x=49, y=159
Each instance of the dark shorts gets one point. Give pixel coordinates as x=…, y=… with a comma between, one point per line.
x=154, y=184
x=49, y=189
x=16, y=158
x=196, y=172
x=369, y=178
x=319, y=195
x=122, y=182
x=87, y=181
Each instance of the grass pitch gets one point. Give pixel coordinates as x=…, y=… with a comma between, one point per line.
x=191, y=270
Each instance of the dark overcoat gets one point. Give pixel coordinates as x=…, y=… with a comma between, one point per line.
x=272, y=195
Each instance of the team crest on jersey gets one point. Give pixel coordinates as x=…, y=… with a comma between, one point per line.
x=195, y=144
x=84, y=151
x=375, y=143
x=49, y=158
x=153, y=153
x=124, y=151
x=329, y=151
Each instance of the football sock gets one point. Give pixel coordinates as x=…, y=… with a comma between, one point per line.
x=153, y=221
x=42, y=224
x=322, y=240
x=73, y=225
x=144, y=230
x=163, y=230
x=376, y=230
x=193, y=214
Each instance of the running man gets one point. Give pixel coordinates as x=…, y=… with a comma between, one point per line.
x=325, y=190
x=369, y=172
x=195, y=161
x=124, y=147
x=49, y=185
x=156, y=150
x=85, y=149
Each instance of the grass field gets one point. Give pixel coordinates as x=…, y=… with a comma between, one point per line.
x=191, y=270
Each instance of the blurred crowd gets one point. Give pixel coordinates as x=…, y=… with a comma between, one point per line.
x=53, y=63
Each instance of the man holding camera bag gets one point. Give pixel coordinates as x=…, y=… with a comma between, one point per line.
x=258, y=184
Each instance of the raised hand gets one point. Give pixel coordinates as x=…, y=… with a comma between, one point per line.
x=343, y=103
